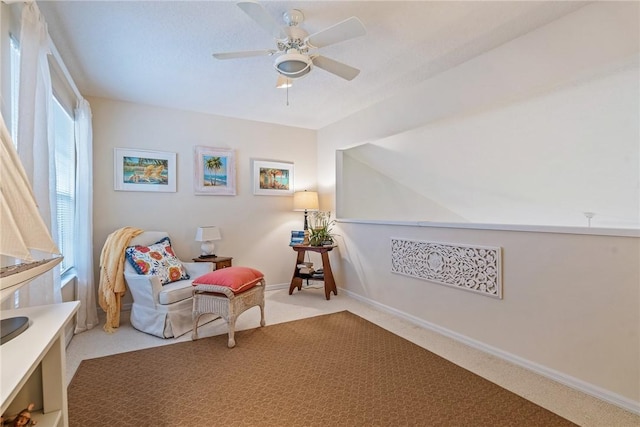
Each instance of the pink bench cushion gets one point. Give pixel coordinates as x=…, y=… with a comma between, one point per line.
x=238, y=279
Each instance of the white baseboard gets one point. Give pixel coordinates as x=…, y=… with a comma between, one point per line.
x=277, y=286
x=567, y=380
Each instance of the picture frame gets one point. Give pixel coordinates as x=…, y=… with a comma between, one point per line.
x=144, y=170
x=271, y=178
x=214, y=171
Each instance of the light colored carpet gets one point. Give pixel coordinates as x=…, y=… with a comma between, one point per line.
x=281, y=307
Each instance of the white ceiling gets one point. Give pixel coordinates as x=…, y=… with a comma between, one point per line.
x=160, y=52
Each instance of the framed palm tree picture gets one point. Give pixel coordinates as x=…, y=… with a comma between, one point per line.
x=272, y=178
x=214, y=171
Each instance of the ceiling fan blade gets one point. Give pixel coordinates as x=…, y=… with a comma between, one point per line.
x=244, y=54
x=334, y=67
x=345, y=30
x=258, y=13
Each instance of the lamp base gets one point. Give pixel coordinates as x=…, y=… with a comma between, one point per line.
x=306, y=237
x=207, y=249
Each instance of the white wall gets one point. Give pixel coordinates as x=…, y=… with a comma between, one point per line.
x=366, y=192
x=255, y=229
x=571, y=304
x=537, y=131
x=546, y=161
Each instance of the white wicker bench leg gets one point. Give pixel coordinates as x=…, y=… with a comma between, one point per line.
x=262, y=322
x=232, y=331
x=221, y=301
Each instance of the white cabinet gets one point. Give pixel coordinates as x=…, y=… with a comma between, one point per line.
x=32, y=365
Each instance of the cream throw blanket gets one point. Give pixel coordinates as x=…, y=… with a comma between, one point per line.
x=112, y=285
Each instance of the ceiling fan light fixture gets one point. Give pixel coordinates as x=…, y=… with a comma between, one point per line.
x=293, y=65
x=283, y=82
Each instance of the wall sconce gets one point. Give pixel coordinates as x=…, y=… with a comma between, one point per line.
x=305, y=201
x=207, y=235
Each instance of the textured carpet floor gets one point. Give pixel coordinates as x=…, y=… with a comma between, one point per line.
x=330, y=370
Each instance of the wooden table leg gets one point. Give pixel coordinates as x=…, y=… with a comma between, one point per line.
x=329, y=282
x=296, y=280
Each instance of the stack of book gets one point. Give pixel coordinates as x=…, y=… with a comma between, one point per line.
x=318, y=274
x=297, y=238
x=306, y=268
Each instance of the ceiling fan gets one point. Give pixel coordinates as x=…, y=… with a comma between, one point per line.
x=296, y=49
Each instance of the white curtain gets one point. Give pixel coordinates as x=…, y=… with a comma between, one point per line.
x=87, y=316
x=36, y=142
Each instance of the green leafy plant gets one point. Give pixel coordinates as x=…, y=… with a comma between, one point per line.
x=320, y=228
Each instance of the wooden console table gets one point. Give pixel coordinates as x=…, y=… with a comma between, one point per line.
x=329, y=282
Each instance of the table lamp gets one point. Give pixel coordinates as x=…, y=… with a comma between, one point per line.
x=305, y=201
x=207, y=235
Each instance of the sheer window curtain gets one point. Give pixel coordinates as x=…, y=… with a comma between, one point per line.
x=87, y=316
x=36, y=142
x=36, y=145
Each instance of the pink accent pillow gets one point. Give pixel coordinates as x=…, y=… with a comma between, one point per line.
x=238, y=279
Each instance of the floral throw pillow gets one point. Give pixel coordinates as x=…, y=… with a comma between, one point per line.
x=158, y=260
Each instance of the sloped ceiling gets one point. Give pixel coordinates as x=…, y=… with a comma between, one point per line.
x=160, y=52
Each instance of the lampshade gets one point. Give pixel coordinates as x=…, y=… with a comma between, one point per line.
x=208, y=233
x=305, y=201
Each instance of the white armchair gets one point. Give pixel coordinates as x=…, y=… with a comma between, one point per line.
x=163, y=311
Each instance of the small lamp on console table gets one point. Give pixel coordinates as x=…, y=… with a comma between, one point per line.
x=305, y=201
x=207, y=235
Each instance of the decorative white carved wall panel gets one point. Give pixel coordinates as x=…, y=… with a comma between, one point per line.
x=472, y=268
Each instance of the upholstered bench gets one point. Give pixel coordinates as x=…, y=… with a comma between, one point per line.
x=228, y=293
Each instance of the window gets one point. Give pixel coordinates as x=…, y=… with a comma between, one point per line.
x=65, y=156
x=15, y=85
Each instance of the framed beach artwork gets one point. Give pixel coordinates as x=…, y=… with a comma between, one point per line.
x=272, y=178
x=143, y=170
x=214, y=171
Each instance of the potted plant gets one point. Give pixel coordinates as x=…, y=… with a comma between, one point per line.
x=320, y=229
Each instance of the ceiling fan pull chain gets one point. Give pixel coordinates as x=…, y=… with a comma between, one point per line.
x=288, y=92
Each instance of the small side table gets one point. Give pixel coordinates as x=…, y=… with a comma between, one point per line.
x=329, y=282
x=219, y=261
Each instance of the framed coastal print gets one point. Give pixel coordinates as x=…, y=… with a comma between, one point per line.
x=272, y=178
x=143, y=170
x=214, y=171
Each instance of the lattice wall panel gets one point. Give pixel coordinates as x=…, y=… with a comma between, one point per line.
x=472, y=268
